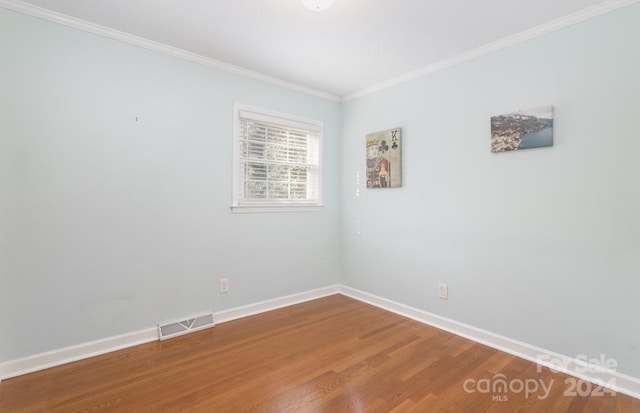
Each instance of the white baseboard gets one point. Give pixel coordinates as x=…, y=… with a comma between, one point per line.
x=37, y=362
x=274, y=304
x=30, y=364
x=623, y=383
x=613, y=380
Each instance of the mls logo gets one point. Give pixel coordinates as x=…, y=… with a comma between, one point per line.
x=500, y=398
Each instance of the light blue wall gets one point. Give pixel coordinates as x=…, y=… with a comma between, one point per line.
x=116, y=225
x=541, y=245
x=6, y=185
x=108, y=225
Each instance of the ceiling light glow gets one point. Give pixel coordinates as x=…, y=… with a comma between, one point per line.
x=317, y=5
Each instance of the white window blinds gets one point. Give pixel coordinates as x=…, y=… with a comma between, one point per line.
x=277, y=159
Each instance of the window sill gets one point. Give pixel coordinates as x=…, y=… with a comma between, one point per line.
x=249, y=209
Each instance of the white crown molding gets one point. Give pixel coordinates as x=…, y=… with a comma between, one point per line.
x=623, y=383
x=583, y=15
x=554, y=25
x=46, y=14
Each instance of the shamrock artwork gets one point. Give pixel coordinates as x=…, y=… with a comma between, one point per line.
x=384, y=159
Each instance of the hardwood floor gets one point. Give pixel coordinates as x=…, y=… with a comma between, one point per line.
x=329, y=355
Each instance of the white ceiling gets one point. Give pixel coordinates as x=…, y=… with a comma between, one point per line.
x=350, y=47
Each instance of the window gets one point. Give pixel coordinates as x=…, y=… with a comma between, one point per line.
x=276, y=162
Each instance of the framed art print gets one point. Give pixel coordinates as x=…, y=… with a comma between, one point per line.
x=532, y=128
x=384, y=159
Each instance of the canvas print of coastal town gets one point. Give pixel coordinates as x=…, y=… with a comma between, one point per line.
x=384, y=159
x=526, y=129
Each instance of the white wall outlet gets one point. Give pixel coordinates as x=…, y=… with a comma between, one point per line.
x=224, y=285
x=443, y=291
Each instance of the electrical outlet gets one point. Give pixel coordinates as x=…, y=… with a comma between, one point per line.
x=443, y=291
x=224, y=285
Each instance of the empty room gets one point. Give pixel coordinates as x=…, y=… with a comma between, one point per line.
x=328, y=206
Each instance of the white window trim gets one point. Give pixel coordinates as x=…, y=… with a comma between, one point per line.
x=273, y=206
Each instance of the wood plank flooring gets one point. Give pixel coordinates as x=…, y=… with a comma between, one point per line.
x=329, y=355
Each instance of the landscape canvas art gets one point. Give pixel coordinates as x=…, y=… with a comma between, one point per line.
x=525, y=129
x=384, y=159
